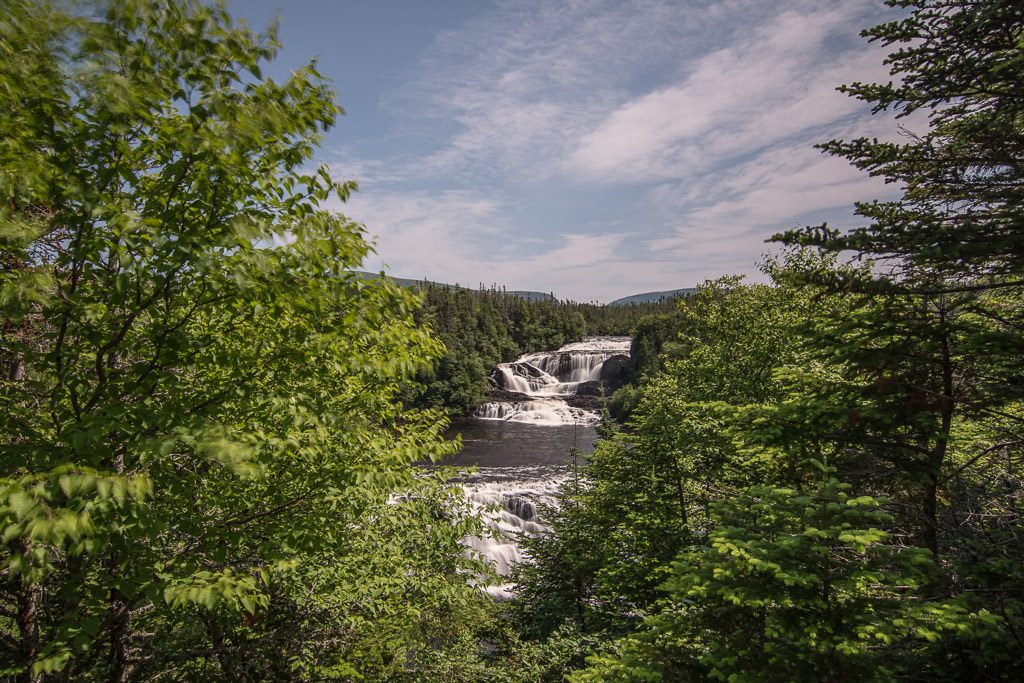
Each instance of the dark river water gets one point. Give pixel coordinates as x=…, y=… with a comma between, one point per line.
x=498, y=444
x=522, y=448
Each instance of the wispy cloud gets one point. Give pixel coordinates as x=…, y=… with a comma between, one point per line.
x=450, y=237
x=420, y=232
x=700, y=117
x=778, y=82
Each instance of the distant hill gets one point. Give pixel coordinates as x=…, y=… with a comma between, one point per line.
x=653, y=297
x=406, y=282
x=645, y=298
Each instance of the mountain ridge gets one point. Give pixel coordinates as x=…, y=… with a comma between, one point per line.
x=652, y=297
x=641, y=298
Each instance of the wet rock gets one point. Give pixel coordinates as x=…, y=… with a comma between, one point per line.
x=504, y=395
x=586, y=402
x=615, y=371
x=591, y=388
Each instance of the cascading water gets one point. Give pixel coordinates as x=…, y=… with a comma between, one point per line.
x=544, y=380
x=539, y=411
x=510, y=509
x=542, y=405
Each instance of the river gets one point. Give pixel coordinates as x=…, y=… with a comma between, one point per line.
x=520, y=440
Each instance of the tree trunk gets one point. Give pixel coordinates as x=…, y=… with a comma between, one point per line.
x=28, y=629
x=119, y=666
x=16, y=369
x=929, y=522
x=946, y=406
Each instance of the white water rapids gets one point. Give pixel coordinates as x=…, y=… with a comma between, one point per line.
x=510, y=509
x=539, y=411
x=535, y=412
x=545, y=379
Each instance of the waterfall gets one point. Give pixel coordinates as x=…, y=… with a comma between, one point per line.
x=525, y=378
x=544, y=379
x=539, y=411
x=545, y=389
x=569, y=366
x=509, y=509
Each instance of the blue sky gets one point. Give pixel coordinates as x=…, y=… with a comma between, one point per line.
x=589, y=148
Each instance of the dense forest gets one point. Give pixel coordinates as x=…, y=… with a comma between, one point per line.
x=480, y=328
x=823, y=479
x=209, y=477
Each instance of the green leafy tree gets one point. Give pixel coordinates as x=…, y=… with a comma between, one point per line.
x=201, y=440
x=647, y=491
x=790, y=585
x=654, y=484
x=748, y=399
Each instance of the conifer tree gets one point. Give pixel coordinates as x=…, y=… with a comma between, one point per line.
x=791, y=585
x=932, y=381
x=958, y=224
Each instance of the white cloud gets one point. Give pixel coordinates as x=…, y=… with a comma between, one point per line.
x=462, y=237
x=526, y=83
x=415, y=231
x=705, y=111
x=734, y=208
x=737, y=99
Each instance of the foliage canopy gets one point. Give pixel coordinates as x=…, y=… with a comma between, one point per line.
x=201, y=434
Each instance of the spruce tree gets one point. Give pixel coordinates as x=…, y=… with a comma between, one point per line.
x=932, y=380
x=958, y=223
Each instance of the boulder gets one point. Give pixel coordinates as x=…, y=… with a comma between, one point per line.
x=615, y=371
x=591, y=388
x=505, y=396
x=585, y=402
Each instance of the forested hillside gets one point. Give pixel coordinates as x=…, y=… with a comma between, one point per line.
x=480, y=328
x=652, y=297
